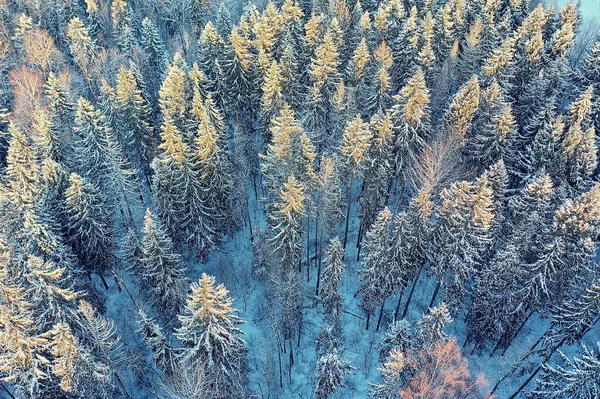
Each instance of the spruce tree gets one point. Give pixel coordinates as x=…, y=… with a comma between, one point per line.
x=89, y=229
x=331, y=370
x=333, y=271
x=160, y=266
x=210, y=336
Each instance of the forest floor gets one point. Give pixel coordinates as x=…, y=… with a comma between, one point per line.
x=232, y=264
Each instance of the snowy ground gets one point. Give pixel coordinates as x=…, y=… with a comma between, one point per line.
x=232, y=262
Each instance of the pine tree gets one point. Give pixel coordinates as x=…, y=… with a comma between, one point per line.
x=100, y=158
x=330, y=281
x=177, y=184
x=331, y=370
x=573, y=380
x=285, y=221
x=121, y=24
x=81, y=46
x=160, y=265
x=430, y=328
x=461, y=235
x=156, y=61
x=398, y=337
x=210, y=336
x=163, y=355
x=135, y=114
x=89, y=228
x=378, y=281
x=410, y=116
x=462, y=109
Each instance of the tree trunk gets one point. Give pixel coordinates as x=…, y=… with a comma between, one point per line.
x=347, y=216
x=398, y=304
x=103, y=281
x=380, y=315
x=368, y=319
x=412, y=290
x=434, y=296
x=518, y=391
x=308, y=246
x=320, y=257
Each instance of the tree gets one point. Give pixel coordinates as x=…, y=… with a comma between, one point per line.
x=330, y=281
x=331, y=370
x=163, y=355
x=391, y=372
x=430, y=328
x=160, y=266
x=135, y=114
x=441, y=372
x=210, y=336
x=573, y=380
x=100, y=158
x=89, y=228
x=460, y=237
x=378, y=281
x=410, y=117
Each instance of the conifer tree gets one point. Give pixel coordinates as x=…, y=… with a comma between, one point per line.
x=163, y=355
x=160, y=265
x=331, y=370
x=89, y=228
x=333, y=271
x=460, y=238
x=156, y=62
x=391, y=372
x=571, y=380
x=378, y=281
x=210, y=335
x=135, y=113
x=410, y=116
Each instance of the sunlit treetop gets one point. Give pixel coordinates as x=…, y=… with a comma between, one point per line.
x=291, y=199
x=355, y=142
x=535, y=47
x=325, y=63
x=284, y=129
x=291, y=12
x=500, y=57
x=580, y=108
x=383, y=55
x=414, y=99
x=581, y=215
x=463, y=107
x=313, y=30
x=410, y=28
x=360, y=59
x=241, y=47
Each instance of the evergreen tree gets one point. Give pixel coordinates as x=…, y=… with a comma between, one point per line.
x=210, y=335
x=160, y=265
x=460, y=237
x=163, y=355
x=330, y=281
x=89, y=228
x=573, y=380
x=331, y=370
x=378, y=281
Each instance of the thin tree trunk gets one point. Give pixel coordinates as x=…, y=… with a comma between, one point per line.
x=368, y=319
x=347, y=217
x=103, y=281
x=380, y=316
x=412, y=290
x=434, y=296
x=308, y=246
x=518, y=391
x=320, y=252
x=398, y=304
x=7, y=391
x=515, y=334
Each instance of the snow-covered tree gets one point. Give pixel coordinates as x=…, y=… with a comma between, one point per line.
x=211, y=337
x=160, y=266
x=331, y=371
x=333, y=271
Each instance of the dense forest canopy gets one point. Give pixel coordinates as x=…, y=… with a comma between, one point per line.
x=299, y=199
